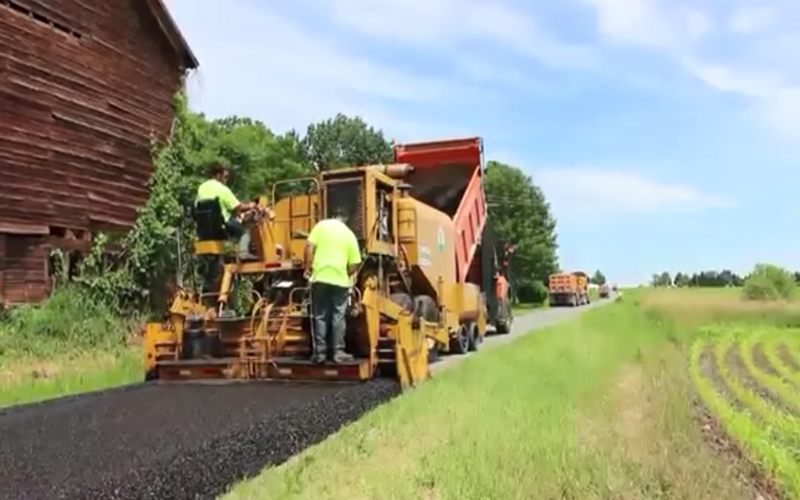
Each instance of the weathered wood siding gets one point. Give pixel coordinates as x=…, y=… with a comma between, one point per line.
x=23, y=268
x=84, y=85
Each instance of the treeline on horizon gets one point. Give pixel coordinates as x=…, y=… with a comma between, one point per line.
x=704, y=279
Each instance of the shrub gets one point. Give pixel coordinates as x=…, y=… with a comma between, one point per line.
x=71, y=319
x=769, y=282
x=533, y=292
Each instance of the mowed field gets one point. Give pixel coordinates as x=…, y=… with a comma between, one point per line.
x=633, y=400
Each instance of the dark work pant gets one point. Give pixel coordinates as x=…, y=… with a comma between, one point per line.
x=237, y=231
x=328, y=307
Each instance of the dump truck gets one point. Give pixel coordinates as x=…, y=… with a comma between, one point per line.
x=421, y=291
x=568, y=289
x=604, y=291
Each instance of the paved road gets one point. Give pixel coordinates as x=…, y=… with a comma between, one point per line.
x=523, y=324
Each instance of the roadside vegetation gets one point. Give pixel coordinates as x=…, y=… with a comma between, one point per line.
x=85, y=337
x=616, y=404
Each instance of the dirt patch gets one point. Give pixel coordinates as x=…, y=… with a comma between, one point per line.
x=710, y=369
x=786, y=356
x=744, y=469
x=761, y=361
x=739, y=370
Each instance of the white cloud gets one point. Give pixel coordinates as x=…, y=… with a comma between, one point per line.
x=578, y=193
x=444, y=25
x=749, y=20
x=679, y=30
x=262, y=64
x=649, y=23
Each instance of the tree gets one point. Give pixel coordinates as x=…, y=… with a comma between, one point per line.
x=681, y=280
x=710, y=278
x=343, y=141
x=662, y=279
x=769, y=282
x=598, y=278
x=521, y=215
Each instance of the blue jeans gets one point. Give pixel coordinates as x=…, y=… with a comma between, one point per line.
x=328, y=307
x=236, y=230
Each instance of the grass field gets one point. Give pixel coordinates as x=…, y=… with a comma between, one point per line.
x=600, y=408
x=68, y=345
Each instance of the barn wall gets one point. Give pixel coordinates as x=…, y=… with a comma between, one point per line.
x=84, y=84
x=24, y=268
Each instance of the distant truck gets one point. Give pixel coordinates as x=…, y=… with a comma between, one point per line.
x=604, y=291
x=568, y=289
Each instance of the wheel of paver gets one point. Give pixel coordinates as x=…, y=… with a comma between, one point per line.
x=473, y=337
x=404, y=300
x=460, y=343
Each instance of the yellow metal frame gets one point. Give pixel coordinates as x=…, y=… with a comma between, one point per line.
x=254, y=346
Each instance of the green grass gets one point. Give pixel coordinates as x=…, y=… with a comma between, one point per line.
x=528, y=307
x=591, y=409
x=67, y=345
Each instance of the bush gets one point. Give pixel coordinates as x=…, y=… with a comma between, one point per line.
x=533, y=292
x=70, y=320
x=769, y=282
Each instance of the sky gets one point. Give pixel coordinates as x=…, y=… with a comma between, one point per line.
x=664, y=133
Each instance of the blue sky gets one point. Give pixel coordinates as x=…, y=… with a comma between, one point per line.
x=665, y=133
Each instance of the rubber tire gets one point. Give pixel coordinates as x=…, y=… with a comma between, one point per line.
x=460, y=343
x=404, y=300
x=473, y=338
x=504, y=325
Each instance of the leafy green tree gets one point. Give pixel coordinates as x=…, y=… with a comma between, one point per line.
x=769, y=282
x=343, y=141
x=662, y=279
x=681, y=280
x=598, y=278
x=149, y=267
x=522, y=215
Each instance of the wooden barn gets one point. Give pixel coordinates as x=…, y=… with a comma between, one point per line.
x=84, y=87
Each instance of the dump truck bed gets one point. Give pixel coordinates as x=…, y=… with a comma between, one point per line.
x=448, y=176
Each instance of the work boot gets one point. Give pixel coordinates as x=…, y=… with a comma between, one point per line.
x=318, y=359
x=342, y=357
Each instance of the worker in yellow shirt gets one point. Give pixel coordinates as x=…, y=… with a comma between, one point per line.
x=332, y=257
x=230, y=207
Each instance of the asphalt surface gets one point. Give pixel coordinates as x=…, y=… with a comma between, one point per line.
x=524, y=324
x=169, y=442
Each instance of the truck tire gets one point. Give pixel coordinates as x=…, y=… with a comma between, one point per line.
x=459, y=344
x=473, y=337
x=505, y=318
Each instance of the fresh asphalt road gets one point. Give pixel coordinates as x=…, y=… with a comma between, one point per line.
x=524, y=324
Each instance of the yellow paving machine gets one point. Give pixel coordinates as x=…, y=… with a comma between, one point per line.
x=422, y=288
